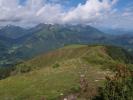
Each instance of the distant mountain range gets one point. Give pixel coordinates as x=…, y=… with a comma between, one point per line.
x=117, y=31
x=20, y=43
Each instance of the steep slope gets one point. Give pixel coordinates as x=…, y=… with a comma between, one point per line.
x=5, y=45
x=13, y=32
x=8, y=52
x=58, y=73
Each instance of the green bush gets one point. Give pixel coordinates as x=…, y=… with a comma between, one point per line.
x=76, y=88
x=23, y=68
x=118, y=87
x=56, y=65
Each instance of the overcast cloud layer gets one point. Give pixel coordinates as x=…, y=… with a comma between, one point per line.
x=94, y=12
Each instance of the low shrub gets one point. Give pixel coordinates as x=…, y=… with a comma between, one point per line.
x=56, y=65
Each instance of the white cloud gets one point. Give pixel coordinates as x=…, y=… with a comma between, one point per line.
x=50, y=13
x=38, y=11
x=92, y=10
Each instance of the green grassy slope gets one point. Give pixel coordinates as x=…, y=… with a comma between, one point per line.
x=58, y=72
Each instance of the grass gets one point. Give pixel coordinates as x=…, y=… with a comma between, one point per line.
x=56, y=73
x=47, y=82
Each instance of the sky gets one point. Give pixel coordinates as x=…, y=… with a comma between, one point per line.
x=98, y=13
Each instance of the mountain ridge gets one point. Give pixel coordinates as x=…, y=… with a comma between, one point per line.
x=34, y=79
x=46, y=37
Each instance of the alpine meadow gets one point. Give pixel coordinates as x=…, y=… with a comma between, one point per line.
x=66, y=50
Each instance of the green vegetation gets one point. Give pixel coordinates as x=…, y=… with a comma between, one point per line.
x=5, y=72
x=43, y=38
x=58, y=74
x=119, y=86
x=56, y=65
x=120, y=54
